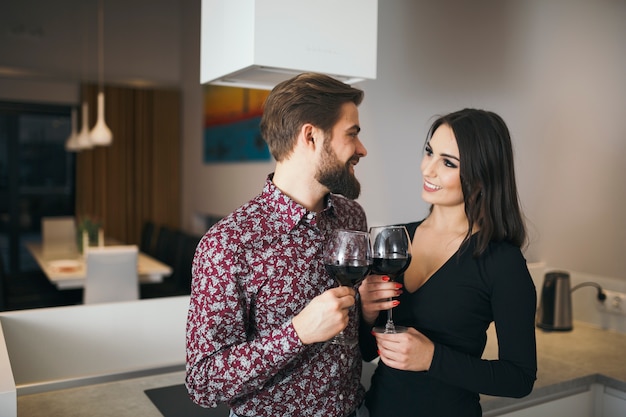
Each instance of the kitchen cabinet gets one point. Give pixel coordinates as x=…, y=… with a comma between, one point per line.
x=580, y=373
x=578, y=405
x=613, y=403
x=47, y=351
x=597, y=401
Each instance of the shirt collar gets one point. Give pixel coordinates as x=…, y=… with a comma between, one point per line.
x=289, y=212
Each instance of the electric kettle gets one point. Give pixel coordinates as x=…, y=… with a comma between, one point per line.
x=555, y=304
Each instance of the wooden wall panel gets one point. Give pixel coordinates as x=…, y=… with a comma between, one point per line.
x=138, y=177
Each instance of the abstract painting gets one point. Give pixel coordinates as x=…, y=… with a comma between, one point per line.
x=231, y=124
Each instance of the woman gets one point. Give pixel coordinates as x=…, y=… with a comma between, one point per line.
x=467, y=270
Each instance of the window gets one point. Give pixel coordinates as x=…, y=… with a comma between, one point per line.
x=36, y=175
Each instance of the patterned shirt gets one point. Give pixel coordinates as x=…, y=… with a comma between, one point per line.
x=253, y=272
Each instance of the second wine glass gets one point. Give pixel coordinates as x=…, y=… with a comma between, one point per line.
x=347, y=259
x=391, y=256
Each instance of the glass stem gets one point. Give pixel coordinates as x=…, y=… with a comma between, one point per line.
x=389, y=326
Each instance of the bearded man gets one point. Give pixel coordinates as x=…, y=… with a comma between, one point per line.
x=262, y=305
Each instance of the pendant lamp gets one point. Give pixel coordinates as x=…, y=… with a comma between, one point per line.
x=101, y=134
x=83, y=139
x=71, y=145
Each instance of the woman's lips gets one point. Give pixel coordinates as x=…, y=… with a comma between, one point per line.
x=430, y=187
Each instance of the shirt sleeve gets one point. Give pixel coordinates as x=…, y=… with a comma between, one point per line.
x=223, y=361
x=513, y=302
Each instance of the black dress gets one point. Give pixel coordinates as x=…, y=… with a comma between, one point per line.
x=454, y=308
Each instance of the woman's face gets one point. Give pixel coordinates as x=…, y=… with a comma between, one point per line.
x=441, y=169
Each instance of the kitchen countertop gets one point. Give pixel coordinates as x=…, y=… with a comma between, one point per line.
x=567, y=363
x=118, y=398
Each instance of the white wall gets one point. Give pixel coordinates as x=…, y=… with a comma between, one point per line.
x=553, y=69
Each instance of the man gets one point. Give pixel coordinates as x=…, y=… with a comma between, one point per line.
x=262, y=306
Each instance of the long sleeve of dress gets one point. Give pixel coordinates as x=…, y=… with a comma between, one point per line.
x=513, y=302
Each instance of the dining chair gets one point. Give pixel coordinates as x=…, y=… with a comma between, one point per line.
x=179, y=283
x=185, y=262
x=58, y=236
x=168, y=245
x=147, y=241
x=111, y=274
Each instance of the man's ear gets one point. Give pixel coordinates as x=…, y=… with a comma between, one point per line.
x=310, y=134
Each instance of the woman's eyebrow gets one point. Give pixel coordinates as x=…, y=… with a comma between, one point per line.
x=445, y=155
x=450, y=156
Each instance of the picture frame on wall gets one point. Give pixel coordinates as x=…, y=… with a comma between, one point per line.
x=232, y=116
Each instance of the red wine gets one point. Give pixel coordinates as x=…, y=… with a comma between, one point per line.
x=348, y=274
x=392, y=264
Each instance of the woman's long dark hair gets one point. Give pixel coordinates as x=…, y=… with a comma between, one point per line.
x=487, y=177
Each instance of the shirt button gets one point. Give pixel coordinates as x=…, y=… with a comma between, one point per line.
x=309, y=216
x=343, y=356
x=341, y=396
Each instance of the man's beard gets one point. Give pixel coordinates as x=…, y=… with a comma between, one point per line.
x=337, y=176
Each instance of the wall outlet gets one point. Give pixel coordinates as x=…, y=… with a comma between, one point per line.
x=615, y=303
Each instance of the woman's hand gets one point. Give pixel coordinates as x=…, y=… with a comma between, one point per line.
x=409, y=351
x=376, y=292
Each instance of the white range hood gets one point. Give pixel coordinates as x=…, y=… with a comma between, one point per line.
x=259, y=43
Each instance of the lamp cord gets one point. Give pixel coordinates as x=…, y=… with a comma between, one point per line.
x=601, y=295
x=100, y=43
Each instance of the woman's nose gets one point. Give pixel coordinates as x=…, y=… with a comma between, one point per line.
x=427, y=168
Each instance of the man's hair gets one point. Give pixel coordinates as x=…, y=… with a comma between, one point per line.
x=306, y=98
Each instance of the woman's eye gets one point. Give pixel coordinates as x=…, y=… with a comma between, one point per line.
x=428, y=150
x=449, y=163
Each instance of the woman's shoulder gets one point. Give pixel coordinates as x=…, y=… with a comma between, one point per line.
x=412, y=226
x=503, y=260
x=504, y=250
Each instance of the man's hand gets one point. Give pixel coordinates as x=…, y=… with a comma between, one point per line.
x=325, y=316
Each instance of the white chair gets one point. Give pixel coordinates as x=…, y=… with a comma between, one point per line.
x=59, y=237
x=111, y=274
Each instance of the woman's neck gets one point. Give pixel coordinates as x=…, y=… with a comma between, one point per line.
x=448, y=220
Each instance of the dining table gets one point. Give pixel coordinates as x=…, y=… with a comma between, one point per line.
x=66, y=269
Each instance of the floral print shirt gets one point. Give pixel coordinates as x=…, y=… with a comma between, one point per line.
x=253, y=272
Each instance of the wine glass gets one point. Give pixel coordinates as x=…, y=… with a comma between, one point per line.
x=391, y=256
x=347, y=259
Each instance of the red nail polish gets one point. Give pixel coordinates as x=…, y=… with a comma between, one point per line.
x=395, y=303
x=385, y=278
x=398, y=286
x=378, y=352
